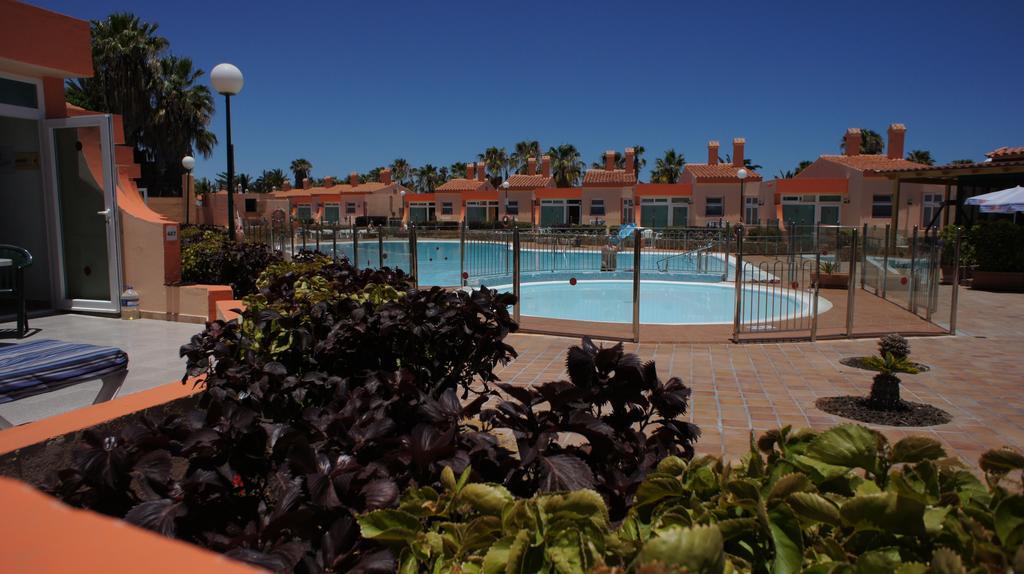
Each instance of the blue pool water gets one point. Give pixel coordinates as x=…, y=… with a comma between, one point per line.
x=661, y=302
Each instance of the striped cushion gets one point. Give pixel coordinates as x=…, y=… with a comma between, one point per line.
x=37, y=367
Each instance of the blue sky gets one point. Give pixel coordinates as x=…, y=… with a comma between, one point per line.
x=353, y=85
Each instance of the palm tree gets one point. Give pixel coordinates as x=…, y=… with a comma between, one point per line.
x=870, y=142
x=566, y=165
x=401, y=171
x=178, y=125
x=638, y=160
x=203, y=186
x=746, y=162
x=372, y=175
x=426, y=179
x=241, y=179
x=668, y=168
x=301, y=168
x=457, y=169
x=961, y=162
x=496, y=161
x=885, y=388
x=802, y=166
x=921, y=156
x=269, y=180
x=523, y=151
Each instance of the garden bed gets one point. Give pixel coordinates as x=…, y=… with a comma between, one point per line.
x=860, y=409
x=863, y=363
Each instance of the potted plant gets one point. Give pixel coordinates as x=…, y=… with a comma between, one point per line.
x=999, y=250
x=829, y=277
x=947, y=261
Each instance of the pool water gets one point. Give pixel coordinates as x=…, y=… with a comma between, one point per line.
x=661, y=302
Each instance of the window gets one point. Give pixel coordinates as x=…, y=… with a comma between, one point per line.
x=559, y=211
x=446, y=208
x=421, y=211
x=21, y=94
x=596, y=207
x=481, y=211
x=512, y=207
x=627, y=211
x=331, y=213
x=750, y=210
x=930, y=208
x=830, y=198
x=303, y=213
x=250, y=205
x=713, y=207
x=350, y=207
x=881, y=206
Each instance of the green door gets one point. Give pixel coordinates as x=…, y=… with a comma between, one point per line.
x=654, y=215
x=552, y=215
x=829, y=215
x=798, y=214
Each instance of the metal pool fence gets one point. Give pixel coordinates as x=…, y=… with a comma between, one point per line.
x=804, y=282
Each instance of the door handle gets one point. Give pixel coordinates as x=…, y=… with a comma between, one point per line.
x=104, y=212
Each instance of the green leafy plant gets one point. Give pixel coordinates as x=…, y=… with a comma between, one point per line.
x=207, y=256
x=967, y=250
x=999, y=246
x=843, y=500
x=828, y=266
x=885, y=388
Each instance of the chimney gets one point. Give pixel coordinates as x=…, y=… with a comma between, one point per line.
x=353, y=178
x=307, y=183
x=531, y=166
x=329, y=181
x=287, y=185
x=737, y=151
x=853, y=141
x=385, y=176
x=897, y=133
x=713, y=152
x=609, y=160
x=630, y=154
x=545, y=165
x=470, y=170
x=481, y=171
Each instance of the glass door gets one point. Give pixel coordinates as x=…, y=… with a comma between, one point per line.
x=84, y=210
x=828, y=214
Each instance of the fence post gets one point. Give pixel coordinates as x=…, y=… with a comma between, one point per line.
x=851, y=286
x=912, y=292
x=516, y=271
x=334, y=241
x=864, y=256
x=956, y=284
x=739, y=285
x=462, y=253
x=414, y=262
x=355, y=247
x=291, y=238
x=817, y=286
x=885, y=261
x=380, y=248
x=637, y=251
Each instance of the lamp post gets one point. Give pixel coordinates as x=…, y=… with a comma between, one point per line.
x=188, y=162
x=742, y=175
x=504, y=187
x=227, y=80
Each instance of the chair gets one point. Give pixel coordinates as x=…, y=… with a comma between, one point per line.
x=37, y=367
x=12, y=280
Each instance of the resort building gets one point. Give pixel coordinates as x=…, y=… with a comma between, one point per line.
x=715, y=198
x=850, y=189
x=607, y=194
x=518, y=197
x=471, y=198
x=343, y=203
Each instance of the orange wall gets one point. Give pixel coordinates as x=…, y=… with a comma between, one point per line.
x=37, y=38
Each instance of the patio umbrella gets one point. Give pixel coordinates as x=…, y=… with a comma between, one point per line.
x=1005, y=201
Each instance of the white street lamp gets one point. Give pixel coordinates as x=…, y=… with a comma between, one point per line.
x=504, y=186
x=742, y=175
x=188, y=162
x=227, y=80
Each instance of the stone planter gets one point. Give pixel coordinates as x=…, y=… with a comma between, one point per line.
x=833, y=280
x=998, y=281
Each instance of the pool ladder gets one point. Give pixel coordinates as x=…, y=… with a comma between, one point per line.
x=700, y=252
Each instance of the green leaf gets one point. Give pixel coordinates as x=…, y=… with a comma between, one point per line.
x=578, y=505
x=912, y=568
x=851, y=446
x=814, y=507
x=733, y=527
x=789, y=484
x=945, y=561
x=389, y=525
x=916, y=449
x=485, y=498
x=566, y=557
x=1009, y=520
x=818, y=471
x=497, y=556
x=698, y=549
x=787, y=539
x=934, y=518
x=672, y=465
x=448, y=479
x=744, y=491
x=1001, y=461
x=887, y=511
x=656, y=489
x=878, y=561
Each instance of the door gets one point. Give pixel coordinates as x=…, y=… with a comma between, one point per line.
x=798, y=214
x=828, y=214
x=84, y=213
x=653, y=215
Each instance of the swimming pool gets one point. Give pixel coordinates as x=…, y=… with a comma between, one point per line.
x=661, y=302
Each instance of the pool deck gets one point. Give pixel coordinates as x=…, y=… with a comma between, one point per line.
x=977, y=376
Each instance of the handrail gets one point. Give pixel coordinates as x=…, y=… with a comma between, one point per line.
x=698, y=251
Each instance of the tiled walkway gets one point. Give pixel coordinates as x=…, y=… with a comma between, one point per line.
x=977, y=376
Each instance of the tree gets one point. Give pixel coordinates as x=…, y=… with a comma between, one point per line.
x=426, y=179
x=242, y=180
x=269, y=180
x=791, y=173
x=457, y=169
x=496, y=162
x=746, y=162
x=183, y=111
x=301, y=168
x=566, y=165
x=372, y=175
x=203, y=186
x=870, y=142
x=638, y=160
x=401, y=171
x=668, y=167
x=921, y=156
x=961, y=162
x=523, y=151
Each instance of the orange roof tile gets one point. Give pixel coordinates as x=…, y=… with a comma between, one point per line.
x=463, y=184
x=1006, y=153
x=614, y=178
x=873, y=162
x=719, y=172
x=520, y=181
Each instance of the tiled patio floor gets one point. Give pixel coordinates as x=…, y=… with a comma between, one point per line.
x=976, y=376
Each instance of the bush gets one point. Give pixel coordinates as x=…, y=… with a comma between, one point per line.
x=948, y=238
x=894, y=344
x=207, y=256
x=844, y=500
x=999, y=246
